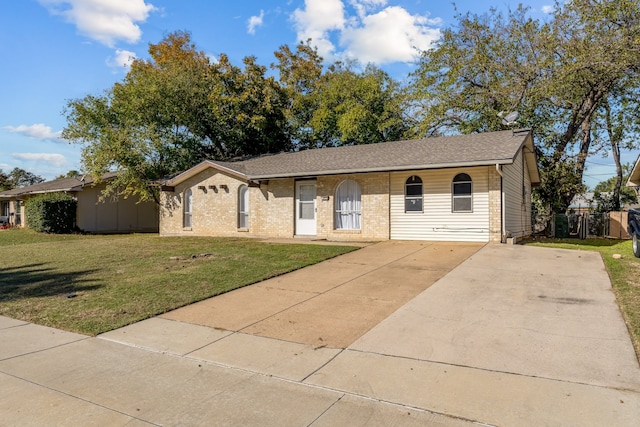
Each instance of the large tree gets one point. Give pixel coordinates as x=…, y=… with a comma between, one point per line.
x=18, y=177
x=612, y=198
x=174, y=110
x=559, y=75
x=4, y=181
x=300, y=72
x=357, y=107
x=340, y=104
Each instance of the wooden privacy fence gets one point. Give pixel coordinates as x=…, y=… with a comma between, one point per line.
x=618, y=225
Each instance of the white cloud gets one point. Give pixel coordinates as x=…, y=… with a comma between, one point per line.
x=364, y=6
x=255, y=21
x=103, y=20
x=391, y=35
x=57, y=160
x=375, y=33
x=38, y=131
x=547, y=9
x=316, y=20
x=122, y=59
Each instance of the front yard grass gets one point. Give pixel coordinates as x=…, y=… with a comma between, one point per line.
x=624, y=274
x=91, y=284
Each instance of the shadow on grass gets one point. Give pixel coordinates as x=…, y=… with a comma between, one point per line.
x=35, y=280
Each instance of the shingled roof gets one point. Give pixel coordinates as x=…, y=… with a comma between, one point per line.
x=73, y=184
x=480, y=149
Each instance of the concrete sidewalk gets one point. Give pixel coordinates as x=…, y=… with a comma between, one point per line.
x=512, y=336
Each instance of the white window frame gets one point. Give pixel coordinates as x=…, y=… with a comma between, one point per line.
x=187, y=209
x=464, y=196
x=243, y=207
x=413, y=197
x=348, y=206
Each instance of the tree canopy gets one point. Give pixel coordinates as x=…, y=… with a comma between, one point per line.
x=174, y=110
x=179, y=107
x=560, y=75
x=574, y=80
x=612, y=197
x=18, y=177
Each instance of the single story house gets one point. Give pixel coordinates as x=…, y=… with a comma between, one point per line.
x=474, y=188
x=584, y=202
x=118, y=215
x=634, y=176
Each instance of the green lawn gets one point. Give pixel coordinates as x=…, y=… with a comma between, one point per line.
x=624, y=274
x=95, y=283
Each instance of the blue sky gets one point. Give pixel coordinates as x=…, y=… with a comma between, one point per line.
x=55, y=50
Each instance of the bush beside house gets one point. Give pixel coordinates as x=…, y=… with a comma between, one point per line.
x=52, y=212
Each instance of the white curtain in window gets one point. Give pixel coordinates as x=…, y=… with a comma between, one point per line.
x=243, y=207
x=187, y=205
x=348, y=206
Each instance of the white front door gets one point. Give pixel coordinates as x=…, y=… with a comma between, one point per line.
x=306, y=208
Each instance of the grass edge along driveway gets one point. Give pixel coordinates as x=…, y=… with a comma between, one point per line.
x=624, y=274
x=91, y=284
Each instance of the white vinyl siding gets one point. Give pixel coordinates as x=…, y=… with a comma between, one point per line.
x=437, y=222
x=516, y=185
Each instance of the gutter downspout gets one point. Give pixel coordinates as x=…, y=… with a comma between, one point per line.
x=502, y=204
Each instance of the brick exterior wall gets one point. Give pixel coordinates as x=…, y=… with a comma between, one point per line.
x=374, y=188
x=495, y=213
x=214, y=213
x=272, y=207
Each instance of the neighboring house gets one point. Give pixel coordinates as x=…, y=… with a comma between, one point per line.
x=584, y=202
x=117, y=215
x=458, y=188
x=634, y=177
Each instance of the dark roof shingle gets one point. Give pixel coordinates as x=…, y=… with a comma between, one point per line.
x=451, y=151
x=72, y=184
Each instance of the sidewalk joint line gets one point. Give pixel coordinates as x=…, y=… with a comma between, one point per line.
x=55, y=390
x=493, y=370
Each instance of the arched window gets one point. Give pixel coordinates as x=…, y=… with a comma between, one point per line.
x=243, y=207
x=413, y=194
x=187, y=206
x=462, y=193
x=347, y=202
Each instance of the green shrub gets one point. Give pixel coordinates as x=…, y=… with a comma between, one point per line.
x=51, y=213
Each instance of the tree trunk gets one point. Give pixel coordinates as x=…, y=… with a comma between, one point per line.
x=615, y=150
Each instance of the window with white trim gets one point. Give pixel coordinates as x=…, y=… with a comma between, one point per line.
x=348, y=205
x=18, y=212
x=187, y=207
x=243, y=207
x=462, y=193
x=413, y=194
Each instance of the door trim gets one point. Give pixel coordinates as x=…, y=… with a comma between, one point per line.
x=306, y=226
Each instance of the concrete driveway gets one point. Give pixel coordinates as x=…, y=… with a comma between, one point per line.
x=333, y=303
x=513, y=336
